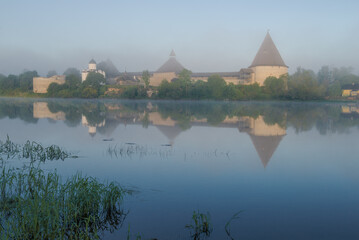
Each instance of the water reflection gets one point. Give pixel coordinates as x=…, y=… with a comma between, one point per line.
x=265, y=137
x=265, y=123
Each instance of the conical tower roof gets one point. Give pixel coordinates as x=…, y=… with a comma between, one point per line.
x=268, y=54
x=265, y=146
x=92, y=61
x=172, y=65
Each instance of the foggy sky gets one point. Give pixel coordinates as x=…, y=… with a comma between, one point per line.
x=207, y=36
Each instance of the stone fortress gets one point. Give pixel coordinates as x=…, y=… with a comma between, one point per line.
x=267, y=62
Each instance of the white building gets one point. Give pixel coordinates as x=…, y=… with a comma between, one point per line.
x=91, y=68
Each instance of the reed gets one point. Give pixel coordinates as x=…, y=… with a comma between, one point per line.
x=32, y=150
x=201, y=226
x=36, y=205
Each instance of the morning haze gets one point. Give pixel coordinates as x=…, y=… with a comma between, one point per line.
x=207, y=36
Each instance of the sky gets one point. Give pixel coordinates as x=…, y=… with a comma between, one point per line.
x=207, y=35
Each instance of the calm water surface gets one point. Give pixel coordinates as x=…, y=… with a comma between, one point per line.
x=292, y=168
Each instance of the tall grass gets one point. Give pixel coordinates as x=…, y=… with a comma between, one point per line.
x=131, y=150
x=36, y=205
x=32, y=150
x=201, y=226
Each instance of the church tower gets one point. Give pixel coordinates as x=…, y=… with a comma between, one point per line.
x=267, y=62
x=92, y=65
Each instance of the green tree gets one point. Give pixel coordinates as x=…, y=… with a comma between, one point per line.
x=146, y=78
x=73, y=81
x=216, y=86
x=26, y=80
x=11, y=82
x=199, y=90
x=135, y=92
x=303, y=85
x=94, y=80
x=231, y=92
x=54, y=89
x=276, y=87
x=184, y=81
x=334, y=90
x=72, y=71
x=89, y=92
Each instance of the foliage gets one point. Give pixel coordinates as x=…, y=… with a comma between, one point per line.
x=134, y=92
x=26, y=80
x=89, y=92
x=276, y=87
x=94, y=80
x=146, y=78
x=72, y=71
x=303, y=85
x=201, y=226
x=36, y=205
x=216, y=86
x=73, y=81
x=31, y=150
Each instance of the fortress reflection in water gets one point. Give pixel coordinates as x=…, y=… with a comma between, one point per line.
x=265, y=137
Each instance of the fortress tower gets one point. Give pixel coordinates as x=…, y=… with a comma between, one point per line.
x=169, y=70
x=267, y=62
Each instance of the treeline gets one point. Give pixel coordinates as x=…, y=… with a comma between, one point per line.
x=16, y=84
x=302, y=85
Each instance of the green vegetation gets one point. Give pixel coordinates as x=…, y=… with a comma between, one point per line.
x=201, y=227
x=146, y=78
x=39, y=205
x=21, y=85
x=36, y=205
x=31, y=150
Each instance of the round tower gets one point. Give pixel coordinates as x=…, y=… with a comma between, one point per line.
x=268, y=62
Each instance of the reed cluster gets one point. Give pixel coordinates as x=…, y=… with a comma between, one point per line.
x=38, y=205
x=32, y=150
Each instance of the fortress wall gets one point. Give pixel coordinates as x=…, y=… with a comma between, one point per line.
x=234, y=80
x=157, y=78
x=40, y=84
x=262, y=72
x=228, y=80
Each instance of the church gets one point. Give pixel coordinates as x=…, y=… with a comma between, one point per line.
x=267, y=62
x=91, y=68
